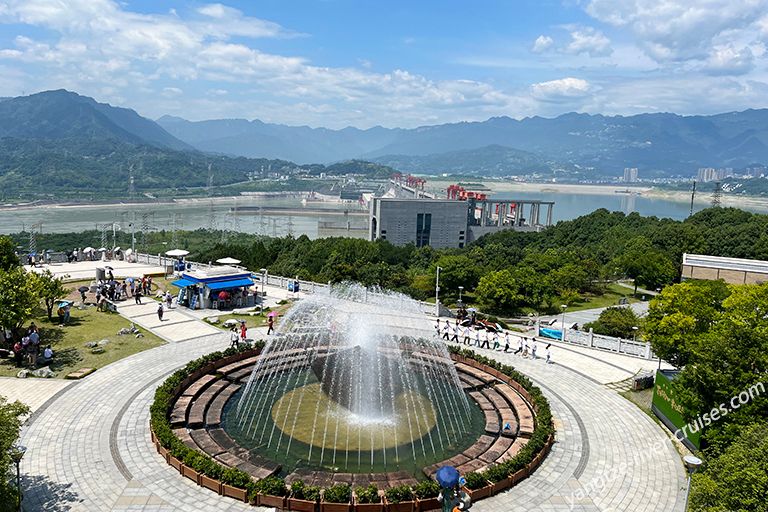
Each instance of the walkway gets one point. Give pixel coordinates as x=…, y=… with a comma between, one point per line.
x=90, y=450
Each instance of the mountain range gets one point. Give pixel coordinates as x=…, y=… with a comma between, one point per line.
x=658, y=144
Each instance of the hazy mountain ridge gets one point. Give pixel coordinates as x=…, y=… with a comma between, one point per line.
x=665, y=142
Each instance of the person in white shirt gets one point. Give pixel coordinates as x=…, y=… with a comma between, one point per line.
x=467, y=334
x=455, y=332
x=506, y=341
x=446, y=330
x=496, y=341
x=534, y=347
x=548, y=353
x=477, y=338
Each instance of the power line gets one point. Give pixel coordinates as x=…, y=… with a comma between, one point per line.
x=717, y=195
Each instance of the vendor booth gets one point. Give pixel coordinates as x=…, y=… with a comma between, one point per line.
x=215, y=288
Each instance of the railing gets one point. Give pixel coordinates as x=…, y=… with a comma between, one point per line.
x=609, y=343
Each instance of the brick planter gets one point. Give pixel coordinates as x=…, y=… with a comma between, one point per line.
x=234, y=492
x=266, y=500
x=427, y=504
x=302, y=505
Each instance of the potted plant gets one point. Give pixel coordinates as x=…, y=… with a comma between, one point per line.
x=303, y=498
x=367, y=499
x=426, y=493
x=271, y=492
x=337, y=498
x=399, y=499
x=477, y=486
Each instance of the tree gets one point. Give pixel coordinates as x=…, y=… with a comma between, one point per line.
x=615, y=321
x=10, y=424
x=498, y=292
x=455, y=271
x=738, y=478
x=644, y=264
x=49, y=288
x=8, y=258
x=18, y=299
x=680, y=315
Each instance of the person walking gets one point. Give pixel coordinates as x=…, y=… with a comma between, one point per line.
x=137, y=296
x=477, y=338
x=234, y=338
x=446, y=330
x=534, y=347
x=160, y=311
x=506, y=341
x=168, y=299
x=437, y=327
x=496, y=343
x=243, y=331
x=548, y=353
x=18, y=354
x=270, y=325
x=455, y=331
x=485, y=340
x=520, y=345
x=466, y=335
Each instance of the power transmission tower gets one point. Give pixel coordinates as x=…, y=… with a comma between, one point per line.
x=145, y=225
x=175, y=224
x=693, y=196
x=210, y=180
x=717, y=195
x=103, y=228
x=131, y=184
x=33, y=236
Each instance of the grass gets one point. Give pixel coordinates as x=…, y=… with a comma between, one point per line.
x=68, y=343
x=642, y=399
x=251, y=321
x=613, y=292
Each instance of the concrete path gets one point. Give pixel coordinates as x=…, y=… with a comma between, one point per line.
x=590, y=315
x=85, y=270
x=32, y=391
x=90, y=449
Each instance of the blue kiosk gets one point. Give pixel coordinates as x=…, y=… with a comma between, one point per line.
x=215, y=288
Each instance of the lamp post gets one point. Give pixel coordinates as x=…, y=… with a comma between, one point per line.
x=460, y=290
x=692, y=463
x=17, y=453
x=437, y=292
x=634, y=333
x=263, y=278
x=562, y=326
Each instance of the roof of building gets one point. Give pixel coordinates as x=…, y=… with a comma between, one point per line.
x=740, y=264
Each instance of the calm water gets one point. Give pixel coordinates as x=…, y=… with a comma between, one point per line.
x=203, y=214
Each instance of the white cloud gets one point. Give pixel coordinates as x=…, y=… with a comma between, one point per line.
x=172, y=92
x=681, y=30
x=563, y=89
x=727, y=60
x=542, y=44
x=588, y=40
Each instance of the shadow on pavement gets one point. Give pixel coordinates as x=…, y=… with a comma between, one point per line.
x=41, y=493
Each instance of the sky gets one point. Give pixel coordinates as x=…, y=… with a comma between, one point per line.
x=362, y=63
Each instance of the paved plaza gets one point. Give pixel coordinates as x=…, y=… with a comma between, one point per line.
x=90, y=448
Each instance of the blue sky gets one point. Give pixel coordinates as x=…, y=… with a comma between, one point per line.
x=362, y=63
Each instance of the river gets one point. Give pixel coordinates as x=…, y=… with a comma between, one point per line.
x=218, y=214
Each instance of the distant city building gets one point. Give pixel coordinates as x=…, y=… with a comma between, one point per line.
x=630, y=174
x=706, y=174
x=730, y=270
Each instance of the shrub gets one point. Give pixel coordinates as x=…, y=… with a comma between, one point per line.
x=369, y=494
x=399, y=493
x=272, y=485
x=339, y=493
x=475, y=480
x=426, y=489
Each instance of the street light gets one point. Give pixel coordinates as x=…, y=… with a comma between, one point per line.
x=692, y=463
x=634, y=333
x=460, y=289
x=562, y=326
x=437, y=292
x=17, y=453
x=263, y=278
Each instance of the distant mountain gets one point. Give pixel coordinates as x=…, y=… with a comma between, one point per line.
x=493, y=160
x=668, y=143
x=300, y=144
x=64, y=115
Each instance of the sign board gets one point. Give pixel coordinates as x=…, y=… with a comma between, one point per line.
x=670, y=412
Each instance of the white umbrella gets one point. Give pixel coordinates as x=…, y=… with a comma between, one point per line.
x=103, y=249
x=177, y=252
x=228, y=261
x=89, y=249
x=128, y=252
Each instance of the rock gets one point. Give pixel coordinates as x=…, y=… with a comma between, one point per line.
x=139, y=335
x=213, y=320
x=97, y=350
x=103, y=342
x=44, y=372
x=91, y=344
x=23, y=374
x=123, y=331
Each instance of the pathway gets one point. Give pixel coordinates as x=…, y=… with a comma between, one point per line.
x=90, y=450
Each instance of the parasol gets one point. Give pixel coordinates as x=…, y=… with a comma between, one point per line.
x=223, y=295
x=447, y=477
x=176, y=252
x=83, y=289
x=228, y=261
x=89, y=249
x=272, y=313
x=102, y=249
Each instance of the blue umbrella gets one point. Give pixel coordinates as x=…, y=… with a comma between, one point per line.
x=447, y=476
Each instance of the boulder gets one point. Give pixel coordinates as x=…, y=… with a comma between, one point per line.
x=23, y=374
x=103, y=342
x=91, y=344
x=44, y=372
x=214, y=320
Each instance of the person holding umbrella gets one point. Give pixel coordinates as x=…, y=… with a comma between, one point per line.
x=243, y=330
x=271, y=322
x=160, y=311
x=82, y=291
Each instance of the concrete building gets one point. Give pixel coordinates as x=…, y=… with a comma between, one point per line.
x=730, y=270
x=453, y=223
x=630, y=174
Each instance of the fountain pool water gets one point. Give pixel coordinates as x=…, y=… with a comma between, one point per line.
x=354, y=381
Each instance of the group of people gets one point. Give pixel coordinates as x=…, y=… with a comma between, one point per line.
x=482, y=338
x=237, y=336
x=113, y=290
x=27, y=350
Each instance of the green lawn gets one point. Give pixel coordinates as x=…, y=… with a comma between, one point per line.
x=613, y=293
x=68, y=343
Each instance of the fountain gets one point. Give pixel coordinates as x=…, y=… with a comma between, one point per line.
x=354, y=381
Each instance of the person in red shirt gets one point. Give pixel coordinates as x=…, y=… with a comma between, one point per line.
x=243, y=331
